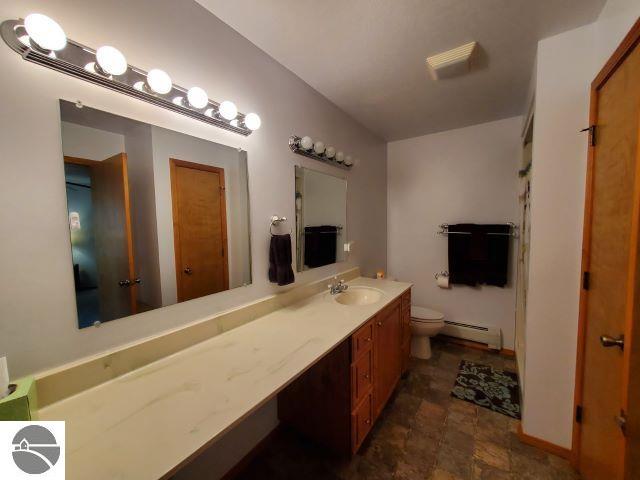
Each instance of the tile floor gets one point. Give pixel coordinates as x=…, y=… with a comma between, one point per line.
x=423, y=433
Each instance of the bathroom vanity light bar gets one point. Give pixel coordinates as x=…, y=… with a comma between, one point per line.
x=41, y=40
x=317, y=150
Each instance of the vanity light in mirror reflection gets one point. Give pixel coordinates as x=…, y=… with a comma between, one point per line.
x=156, y=217
x=321, y=218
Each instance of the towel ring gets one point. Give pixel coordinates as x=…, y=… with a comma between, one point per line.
x=275, y=221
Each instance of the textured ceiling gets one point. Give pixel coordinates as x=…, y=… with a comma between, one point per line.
x=368, y=56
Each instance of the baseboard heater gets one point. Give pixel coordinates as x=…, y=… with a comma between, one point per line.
x=476, y=333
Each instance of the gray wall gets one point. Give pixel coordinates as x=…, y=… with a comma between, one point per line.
x=464, y=175
x=38, y=325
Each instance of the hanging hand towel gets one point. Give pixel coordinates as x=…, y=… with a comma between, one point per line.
x=280, y=270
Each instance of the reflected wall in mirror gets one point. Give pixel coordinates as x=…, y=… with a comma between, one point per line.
x=156, y=217
x=321, y=218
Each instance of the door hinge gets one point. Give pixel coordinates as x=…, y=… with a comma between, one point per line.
x=592, y=134
x=586, y=278
x=578, y=413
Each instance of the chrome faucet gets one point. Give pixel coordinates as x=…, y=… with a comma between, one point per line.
x=337, y=286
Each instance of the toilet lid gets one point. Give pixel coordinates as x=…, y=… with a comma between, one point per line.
x=424, y=314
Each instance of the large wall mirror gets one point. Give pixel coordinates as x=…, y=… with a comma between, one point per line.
x=321, y=218
x=156, y=217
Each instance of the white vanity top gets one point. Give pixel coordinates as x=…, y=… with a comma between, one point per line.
x=143, y=424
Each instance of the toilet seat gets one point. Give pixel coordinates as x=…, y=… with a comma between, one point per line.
x=426, y=315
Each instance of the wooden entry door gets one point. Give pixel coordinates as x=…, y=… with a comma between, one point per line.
x=200, y=229
x=117, y=288
x=606, y=390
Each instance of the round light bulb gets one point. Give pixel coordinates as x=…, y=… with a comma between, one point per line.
x=228, y=110
x=45, y=31
x=339, y=157
x=318, y=147
x=111, y=60
x=306, y=142
x=234, y=123
x=348, y=160
x=159, y=81
x=252, y=121
x=197, y=97
x=330, y=152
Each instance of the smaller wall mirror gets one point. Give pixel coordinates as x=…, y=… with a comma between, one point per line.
x=321, y=218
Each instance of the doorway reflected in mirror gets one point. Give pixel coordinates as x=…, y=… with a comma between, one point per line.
x=156, y=217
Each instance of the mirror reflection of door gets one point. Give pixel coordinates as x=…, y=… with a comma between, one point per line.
x=200, y=229
x=101, y=241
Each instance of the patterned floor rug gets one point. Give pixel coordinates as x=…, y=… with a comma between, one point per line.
x=487, y=387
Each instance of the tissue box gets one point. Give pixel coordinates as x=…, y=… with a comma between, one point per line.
x=22, y=403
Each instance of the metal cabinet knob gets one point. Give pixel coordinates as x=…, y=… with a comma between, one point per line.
x=367, y=421
x=608, y=341
x=188, y=271
x=379, y=324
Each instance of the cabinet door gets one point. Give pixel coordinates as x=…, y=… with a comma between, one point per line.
x=387, y=351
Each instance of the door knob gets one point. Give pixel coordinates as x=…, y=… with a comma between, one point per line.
x=188, y=271
x=137, y=281
x=608, y=341
x=124, y=283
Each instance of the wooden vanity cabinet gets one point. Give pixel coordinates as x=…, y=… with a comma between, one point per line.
x=339, y=398
x=406, y=330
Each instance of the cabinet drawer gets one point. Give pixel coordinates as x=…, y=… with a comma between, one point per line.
x=361, y=421
x=361, y=377
x=362, y=340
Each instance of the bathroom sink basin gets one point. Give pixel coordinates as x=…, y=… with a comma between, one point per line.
x=359, y=296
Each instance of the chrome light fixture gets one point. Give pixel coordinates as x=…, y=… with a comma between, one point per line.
x=307, y=147
x=111, y=61
x=159, y=81
x=40, y=40
x=45, y=32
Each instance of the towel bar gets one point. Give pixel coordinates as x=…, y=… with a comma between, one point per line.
x=444, y=230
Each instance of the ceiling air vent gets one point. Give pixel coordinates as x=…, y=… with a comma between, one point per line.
x=452, y=62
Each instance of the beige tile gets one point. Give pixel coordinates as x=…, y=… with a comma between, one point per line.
x=443, y=475
x=482, y=471
x=463, y=407
x=492, y=454
x=493, y=434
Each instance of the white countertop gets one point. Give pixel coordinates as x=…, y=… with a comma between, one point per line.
x=143, y=424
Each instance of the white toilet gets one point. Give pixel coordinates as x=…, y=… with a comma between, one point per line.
x=425, y=323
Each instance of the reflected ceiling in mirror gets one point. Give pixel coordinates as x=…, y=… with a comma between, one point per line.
x=321, y=218
x=156, y=217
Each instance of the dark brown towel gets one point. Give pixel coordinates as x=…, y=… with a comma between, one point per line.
x=320, y=245
x=280, y=270
x=478, y=258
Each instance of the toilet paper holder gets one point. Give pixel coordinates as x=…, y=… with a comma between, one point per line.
x=444, y=273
